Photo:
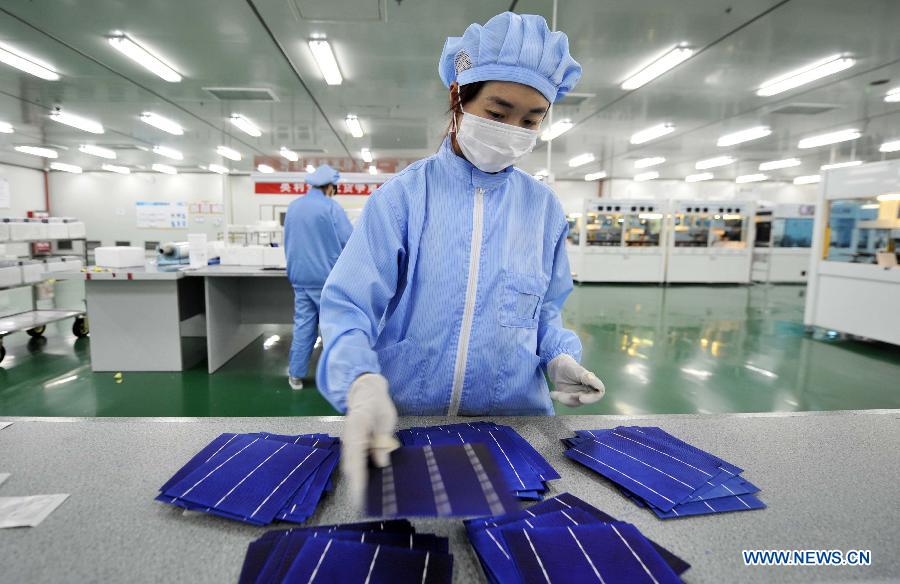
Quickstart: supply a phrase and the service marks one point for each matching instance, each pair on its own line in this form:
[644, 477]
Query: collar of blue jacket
[468, 171]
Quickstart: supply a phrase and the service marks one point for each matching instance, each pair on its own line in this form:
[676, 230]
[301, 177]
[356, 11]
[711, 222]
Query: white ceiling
[388, 52]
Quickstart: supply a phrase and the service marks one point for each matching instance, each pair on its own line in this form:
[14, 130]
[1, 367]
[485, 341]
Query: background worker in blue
[447, 299]
[316, 229]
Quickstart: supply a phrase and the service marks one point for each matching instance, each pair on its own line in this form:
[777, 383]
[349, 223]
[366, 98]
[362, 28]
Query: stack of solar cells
[256, 478]
[564, 539]
[525, 470]
[657, 470]
[388, 551]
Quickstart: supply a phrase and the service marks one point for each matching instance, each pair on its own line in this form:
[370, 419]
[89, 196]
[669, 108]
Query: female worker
[447, 298]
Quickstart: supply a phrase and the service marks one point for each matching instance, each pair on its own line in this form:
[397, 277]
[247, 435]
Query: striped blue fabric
[396, 300]
[522, 466]
[600, 552]
[659, 471]
[255, 478]
[446, 481]
[487, 533]
[388, 551]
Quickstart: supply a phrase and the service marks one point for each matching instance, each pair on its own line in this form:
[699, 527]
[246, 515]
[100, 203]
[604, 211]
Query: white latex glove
[574, 385]
[368, 429]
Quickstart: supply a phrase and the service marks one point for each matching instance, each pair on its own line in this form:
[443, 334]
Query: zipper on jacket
[462, 346]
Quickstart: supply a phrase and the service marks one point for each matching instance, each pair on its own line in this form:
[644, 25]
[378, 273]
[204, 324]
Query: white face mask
[491, 145]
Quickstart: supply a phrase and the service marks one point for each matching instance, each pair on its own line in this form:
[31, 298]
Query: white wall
[106, 203]
[26, 189]
[248, 207]
[571, 193]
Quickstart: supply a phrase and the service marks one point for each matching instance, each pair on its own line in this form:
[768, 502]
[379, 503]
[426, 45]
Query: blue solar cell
[604, 552]
[331, 560]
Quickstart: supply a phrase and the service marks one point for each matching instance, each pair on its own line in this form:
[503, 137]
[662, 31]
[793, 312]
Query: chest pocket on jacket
[520, 304]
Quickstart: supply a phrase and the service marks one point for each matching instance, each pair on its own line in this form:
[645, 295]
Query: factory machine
[709, 242]
[781, 253]
[618, 241]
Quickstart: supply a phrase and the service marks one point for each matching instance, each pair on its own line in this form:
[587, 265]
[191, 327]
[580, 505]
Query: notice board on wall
[161, 214]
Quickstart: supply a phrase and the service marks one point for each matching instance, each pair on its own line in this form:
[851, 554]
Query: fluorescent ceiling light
[116, 169]
[354, 126]
[164, 168]
[24, 62]
[892, 146]
[77, 122]
[744, 136]
[892, 95]
[228, 153]
[36, 151]
[749, 178]
[840, 165]
[265, 168]
[652, 133]
[245, 125]
[889, 197]
[324, 57]
[714, 162]
[366, 155]
[168, 152]
[829, 138]
[595, 175]
[557, 129]
[310, 168]
[581, 160]
[164, 124]
[648, 162]
[6, 128]
[870, 206]
[218, 169]
[699, 177]
[373, 169]
[659, 65]
[808, 179]
[133, 50]
[65, 167]
[644, 176]
[289, 154]
[777, 164]
[817, 70]
[98, 151]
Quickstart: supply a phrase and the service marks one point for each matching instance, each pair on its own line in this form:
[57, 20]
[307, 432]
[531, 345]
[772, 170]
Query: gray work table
[238, 307]
[143, 318]
[829, 480]
[150, 319]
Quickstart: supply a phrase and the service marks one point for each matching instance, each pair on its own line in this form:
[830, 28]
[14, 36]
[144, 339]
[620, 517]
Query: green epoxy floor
[689, 349]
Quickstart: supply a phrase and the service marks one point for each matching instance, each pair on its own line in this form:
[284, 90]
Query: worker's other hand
[574, 385]
[368, 430]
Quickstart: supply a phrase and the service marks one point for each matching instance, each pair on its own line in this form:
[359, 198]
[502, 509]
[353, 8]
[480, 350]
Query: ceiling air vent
[241, 93]
[575, 99]
[805, 109]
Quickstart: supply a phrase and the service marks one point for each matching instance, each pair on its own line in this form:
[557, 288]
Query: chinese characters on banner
[299, 188]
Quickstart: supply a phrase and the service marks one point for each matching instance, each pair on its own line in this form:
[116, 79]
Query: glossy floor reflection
[659, 350]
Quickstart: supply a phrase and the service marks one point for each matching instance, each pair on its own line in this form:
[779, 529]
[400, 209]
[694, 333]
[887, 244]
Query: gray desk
[240, 301]
[142, 319]
[829, 479]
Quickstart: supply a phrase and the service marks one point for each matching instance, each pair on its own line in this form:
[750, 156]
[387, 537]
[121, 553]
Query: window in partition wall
[604, 229]
[691, 230]
[642, 230]
[859, 228]
[792, 232]
[727, 230]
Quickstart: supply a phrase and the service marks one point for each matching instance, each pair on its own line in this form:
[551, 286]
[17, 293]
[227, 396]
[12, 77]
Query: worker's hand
[574, 385]
[368, 429]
